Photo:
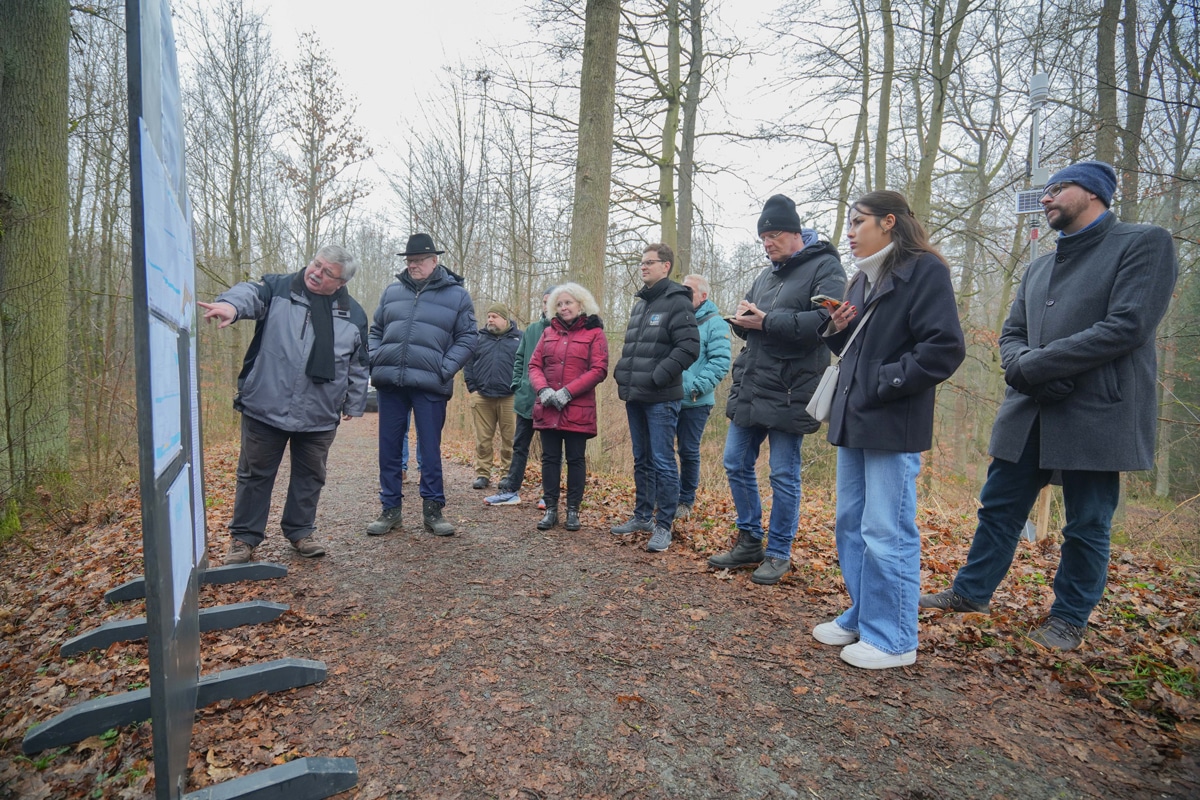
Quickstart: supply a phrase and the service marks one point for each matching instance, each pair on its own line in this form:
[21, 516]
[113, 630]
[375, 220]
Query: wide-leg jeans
[879, 548]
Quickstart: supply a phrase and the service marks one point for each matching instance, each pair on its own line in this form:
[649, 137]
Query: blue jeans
[1090, 499]
[878, 545]
[655, 473]
[429, 415]
[741, 453]
[689, 432]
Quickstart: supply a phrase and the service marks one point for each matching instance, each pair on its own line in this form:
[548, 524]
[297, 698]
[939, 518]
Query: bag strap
[861, 324]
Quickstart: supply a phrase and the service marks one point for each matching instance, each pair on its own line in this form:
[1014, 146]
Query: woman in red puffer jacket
[570, 360]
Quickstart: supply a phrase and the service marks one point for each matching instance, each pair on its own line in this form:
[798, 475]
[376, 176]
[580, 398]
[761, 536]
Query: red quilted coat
[576, 357]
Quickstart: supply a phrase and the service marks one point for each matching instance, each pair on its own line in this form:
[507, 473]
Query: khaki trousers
[492, 414]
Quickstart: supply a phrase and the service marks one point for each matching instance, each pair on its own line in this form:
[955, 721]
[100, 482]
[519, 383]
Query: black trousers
[258, 464]
[553, 444]
[522, 438]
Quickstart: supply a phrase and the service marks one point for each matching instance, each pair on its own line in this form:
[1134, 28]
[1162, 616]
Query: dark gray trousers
[258, 464]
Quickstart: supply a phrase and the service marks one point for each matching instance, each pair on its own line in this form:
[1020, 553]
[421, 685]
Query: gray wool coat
[1088, 312]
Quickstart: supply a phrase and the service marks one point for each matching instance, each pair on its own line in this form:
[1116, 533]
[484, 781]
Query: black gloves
[1051, 392]
[1016, 379]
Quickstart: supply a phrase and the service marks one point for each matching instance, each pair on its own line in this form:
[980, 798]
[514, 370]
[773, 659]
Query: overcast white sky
[389, 56]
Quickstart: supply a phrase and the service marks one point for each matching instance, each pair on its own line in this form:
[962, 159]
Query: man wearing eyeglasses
[1078, 352]
[423, 333]
[773, 379]
[305, 371]
[661, 341]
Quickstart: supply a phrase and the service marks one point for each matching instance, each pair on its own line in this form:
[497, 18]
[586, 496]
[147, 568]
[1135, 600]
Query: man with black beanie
[312, 337]
[773, 378]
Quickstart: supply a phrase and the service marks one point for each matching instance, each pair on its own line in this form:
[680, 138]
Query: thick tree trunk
[593, 169]
[34, 36]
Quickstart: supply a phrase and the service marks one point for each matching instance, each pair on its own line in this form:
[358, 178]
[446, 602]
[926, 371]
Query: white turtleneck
[872, 264]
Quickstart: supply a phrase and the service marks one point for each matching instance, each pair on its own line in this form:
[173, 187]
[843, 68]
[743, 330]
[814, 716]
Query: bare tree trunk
[34, 36]
[593, 169]
[687, 145]
[1106, 81]
[885, 93]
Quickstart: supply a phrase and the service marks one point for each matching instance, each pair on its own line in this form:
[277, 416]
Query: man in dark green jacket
[509, 488]
[662, 340]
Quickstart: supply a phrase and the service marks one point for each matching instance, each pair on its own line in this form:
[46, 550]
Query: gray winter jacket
[273, 387]
[1088, 312]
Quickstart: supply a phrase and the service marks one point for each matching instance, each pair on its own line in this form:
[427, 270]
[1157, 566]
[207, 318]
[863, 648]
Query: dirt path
[505, 662]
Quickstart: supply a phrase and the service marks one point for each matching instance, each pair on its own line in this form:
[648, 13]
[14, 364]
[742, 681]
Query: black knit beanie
[779, 214]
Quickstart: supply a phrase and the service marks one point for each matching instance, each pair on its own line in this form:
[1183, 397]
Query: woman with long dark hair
[882, 420]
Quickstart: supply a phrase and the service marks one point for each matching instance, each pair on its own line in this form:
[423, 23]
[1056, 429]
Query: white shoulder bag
[822, 400]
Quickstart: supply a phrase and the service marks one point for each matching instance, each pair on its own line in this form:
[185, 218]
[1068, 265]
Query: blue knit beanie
[1095, 176]
[779, 214]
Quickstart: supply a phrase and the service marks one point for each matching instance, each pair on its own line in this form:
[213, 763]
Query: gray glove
[545, 396]
[562, 397]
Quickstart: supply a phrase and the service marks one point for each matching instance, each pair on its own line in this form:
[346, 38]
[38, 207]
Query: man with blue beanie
[1078, 352]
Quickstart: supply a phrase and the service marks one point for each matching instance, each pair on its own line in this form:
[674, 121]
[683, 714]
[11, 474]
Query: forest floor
[510, 663]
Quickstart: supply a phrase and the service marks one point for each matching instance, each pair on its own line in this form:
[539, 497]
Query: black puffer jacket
[490, 370]
[662, 340]
[775, 374]
[422, 334]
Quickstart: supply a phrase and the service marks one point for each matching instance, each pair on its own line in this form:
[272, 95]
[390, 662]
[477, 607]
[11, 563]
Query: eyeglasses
[1055, 189]
[653, 261]
[416, 259]
[325, 273]
[771, 236]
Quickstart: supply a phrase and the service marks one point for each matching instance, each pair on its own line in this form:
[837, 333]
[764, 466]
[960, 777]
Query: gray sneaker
[950, 600]
[771, 570]
[660, 540]
[1057, 634]
[683, 511]
[632, 525]
[389, 519]
[238, 553]
[308, 547]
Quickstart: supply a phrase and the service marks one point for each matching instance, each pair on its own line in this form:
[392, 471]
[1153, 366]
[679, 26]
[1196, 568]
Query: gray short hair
[701, 283]
[336, 254]
[586, 300]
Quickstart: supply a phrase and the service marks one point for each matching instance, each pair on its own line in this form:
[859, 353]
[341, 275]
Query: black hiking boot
[435, 523]
[748, 552]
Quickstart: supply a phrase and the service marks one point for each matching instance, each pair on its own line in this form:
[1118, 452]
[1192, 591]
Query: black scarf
[320, 311]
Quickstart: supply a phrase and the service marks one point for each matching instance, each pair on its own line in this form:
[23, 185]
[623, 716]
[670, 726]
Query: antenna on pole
[1029, 201]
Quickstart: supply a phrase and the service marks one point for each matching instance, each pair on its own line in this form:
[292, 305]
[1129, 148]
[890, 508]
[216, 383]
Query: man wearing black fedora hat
[423, 333]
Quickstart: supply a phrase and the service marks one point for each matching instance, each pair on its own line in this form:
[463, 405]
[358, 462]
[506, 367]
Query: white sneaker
[832, 633]
[863, 655]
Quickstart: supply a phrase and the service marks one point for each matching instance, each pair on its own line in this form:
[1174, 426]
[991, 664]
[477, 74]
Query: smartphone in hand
[826, 301]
